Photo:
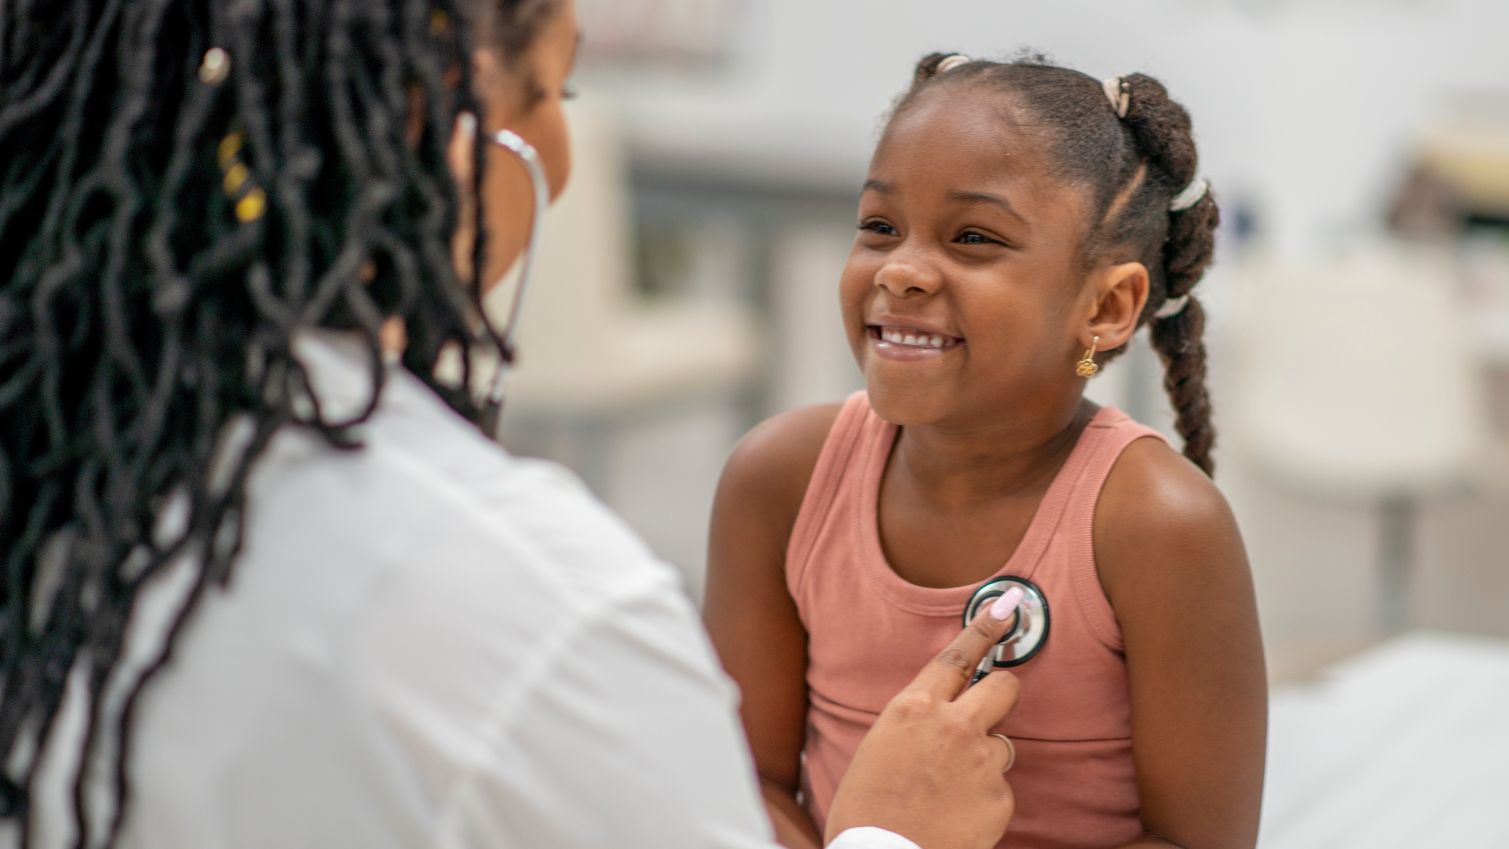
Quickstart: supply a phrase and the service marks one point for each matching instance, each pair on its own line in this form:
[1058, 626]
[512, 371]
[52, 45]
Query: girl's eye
[568, 93]
[973, 238]
[875, 225]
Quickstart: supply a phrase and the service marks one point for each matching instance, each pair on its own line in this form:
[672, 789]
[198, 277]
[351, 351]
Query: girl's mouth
[902, 338]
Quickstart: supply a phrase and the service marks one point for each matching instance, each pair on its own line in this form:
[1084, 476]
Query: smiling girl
[1019, 224]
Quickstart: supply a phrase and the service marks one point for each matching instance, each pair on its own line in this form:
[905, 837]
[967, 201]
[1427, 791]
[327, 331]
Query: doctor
[264, 588]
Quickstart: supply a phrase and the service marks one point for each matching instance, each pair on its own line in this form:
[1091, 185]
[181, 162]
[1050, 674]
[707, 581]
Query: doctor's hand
[929, 769]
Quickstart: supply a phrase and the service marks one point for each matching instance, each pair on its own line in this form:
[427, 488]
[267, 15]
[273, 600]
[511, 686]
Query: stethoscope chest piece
[1030, 631]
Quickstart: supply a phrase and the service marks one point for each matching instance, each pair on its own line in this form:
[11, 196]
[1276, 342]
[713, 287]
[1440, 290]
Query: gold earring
[1087, 367]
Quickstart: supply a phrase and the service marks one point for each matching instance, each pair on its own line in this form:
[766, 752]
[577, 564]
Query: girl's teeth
[897, 337]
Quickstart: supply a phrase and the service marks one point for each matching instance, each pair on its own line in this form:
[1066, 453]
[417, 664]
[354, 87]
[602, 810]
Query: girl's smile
[910, 339]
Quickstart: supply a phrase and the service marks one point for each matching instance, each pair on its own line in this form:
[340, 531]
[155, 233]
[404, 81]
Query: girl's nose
[904, 278]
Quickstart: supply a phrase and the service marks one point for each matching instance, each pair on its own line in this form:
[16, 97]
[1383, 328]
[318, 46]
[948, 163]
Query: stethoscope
[492, 405]
[1028, 633]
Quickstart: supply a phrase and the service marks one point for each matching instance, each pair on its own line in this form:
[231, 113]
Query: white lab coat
[428, 644]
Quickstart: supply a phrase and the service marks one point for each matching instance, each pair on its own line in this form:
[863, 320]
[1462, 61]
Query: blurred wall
[1302, 108]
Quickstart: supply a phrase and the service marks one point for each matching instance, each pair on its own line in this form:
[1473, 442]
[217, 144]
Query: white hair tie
[1119, 94]
[1172, 307]
[951, 62]
[1192, 194]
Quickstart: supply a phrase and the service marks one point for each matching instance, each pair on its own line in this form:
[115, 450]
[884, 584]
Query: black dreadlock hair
[170, 215]
[1133, 166]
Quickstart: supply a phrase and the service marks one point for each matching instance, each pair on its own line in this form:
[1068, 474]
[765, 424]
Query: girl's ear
[1118, 294]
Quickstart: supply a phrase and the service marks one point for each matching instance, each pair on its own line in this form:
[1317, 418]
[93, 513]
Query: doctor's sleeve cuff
[870, 837]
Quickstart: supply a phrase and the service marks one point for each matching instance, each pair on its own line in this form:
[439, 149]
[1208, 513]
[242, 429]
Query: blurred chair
[1360, 382]
[596, 354]
[1469, 155]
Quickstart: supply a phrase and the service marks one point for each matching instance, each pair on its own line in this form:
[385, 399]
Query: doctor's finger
[950, 671]
[989, 701]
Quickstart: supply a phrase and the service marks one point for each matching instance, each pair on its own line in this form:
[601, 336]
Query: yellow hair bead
[229, 147]
[235, 178]
[251, 207]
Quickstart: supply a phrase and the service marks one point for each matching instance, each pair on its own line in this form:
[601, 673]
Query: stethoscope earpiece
[1030, 631]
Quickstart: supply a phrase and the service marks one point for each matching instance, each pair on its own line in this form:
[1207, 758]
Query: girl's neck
[963, 466]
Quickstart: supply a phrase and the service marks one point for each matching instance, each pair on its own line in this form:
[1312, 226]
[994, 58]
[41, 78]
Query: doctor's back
[424, 643]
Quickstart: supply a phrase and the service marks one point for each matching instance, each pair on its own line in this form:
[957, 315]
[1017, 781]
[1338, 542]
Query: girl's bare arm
[748, 611]
[1172, 563]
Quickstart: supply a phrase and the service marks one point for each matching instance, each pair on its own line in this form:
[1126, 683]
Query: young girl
[1020, 223]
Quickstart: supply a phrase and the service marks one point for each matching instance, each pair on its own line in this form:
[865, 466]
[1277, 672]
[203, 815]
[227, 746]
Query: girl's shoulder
[1153, 489]
[1158, 517]
[770, 468]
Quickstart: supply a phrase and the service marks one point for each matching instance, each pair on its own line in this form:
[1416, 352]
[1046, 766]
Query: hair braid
[1165, 140]
[1178, 341]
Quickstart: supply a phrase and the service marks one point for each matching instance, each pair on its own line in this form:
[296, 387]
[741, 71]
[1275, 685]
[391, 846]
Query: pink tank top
[870, 631]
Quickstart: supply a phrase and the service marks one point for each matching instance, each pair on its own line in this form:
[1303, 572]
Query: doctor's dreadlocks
[183, 184]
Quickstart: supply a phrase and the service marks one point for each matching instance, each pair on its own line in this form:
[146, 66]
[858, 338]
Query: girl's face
[526, 97]
[960, 293]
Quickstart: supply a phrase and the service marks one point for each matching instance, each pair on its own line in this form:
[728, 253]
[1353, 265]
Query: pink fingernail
[1007, 603]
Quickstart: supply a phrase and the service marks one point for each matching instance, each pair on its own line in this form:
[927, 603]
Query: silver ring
[1010, 747]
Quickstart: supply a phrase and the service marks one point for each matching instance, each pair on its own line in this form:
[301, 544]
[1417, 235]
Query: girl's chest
[933, 547]
[1071, 690]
